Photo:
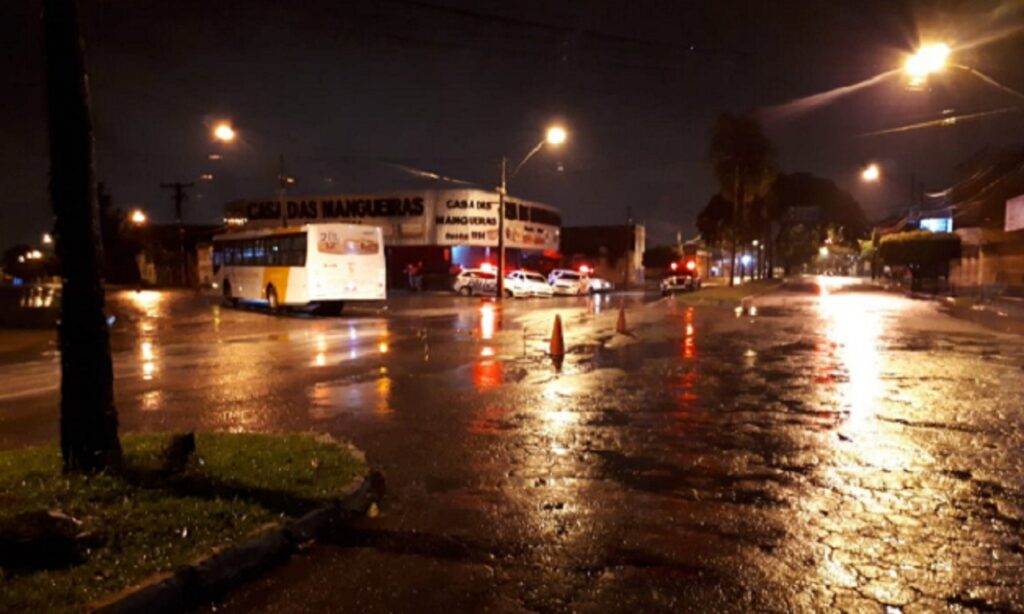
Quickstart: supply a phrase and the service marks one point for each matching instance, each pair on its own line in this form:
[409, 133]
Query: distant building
[615, 252]
[987, 207]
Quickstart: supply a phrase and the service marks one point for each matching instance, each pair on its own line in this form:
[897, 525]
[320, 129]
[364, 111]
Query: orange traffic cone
[620, 327]
[557, 347]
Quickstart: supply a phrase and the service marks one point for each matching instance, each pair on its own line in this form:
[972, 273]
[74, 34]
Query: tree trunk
[735, 223]
[88, 418]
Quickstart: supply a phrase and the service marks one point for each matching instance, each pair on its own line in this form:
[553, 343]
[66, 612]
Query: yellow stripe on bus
[278, 276]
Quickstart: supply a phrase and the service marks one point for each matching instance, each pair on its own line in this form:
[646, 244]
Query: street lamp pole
[555, 136]
[502, 189]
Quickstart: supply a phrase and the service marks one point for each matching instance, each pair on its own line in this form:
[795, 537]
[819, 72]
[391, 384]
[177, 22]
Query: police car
[476, 281]
[567, 281]
[600, 285]
[682, 281]
[520, 284]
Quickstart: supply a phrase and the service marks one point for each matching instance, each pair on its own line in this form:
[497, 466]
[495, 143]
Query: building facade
[442, 230]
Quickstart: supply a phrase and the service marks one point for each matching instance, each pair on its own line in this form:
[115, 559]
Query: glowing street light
[224, 133]
[137, 217]
[47, 238]
[928, 60]
[871, 173]
[555, 135]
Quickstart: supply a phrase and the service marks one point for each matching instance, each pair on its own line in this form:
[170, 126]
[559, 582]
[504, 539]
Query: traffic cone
[557, 347]
[620, 327]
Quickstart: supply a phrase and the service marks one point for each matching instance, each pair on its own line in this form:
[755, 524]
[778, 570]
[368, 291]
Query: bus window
[296, 252]
[247, 253]
[259, 252]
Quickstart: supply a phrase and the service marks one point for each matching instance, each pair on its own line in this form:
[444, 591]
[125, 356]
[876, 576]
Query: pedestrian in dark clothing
[410, 272]
[418, 276]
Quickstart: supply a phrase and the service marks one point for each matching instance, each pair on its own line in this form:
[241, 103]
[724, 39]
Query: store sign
[335, 209]
[1015, 213]
[467, 222]
[425, 217]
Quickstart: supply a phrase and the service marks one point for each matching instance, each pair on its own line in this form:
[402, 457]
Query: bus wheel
[272, 300]
[227, 293]
[466, 291]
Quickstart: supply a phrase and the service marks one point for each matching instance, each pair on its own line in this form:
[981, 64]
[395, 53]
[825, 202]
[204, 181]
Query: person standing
[418, 276]
[410, 273]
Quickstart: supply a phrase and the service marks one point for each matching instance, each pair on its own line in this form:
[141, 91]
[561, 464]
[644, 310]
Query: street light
[555, 135]
[933, 58]
[224, 133]
[137, 217]
[47, 238]
[871, 173]
[928, 60]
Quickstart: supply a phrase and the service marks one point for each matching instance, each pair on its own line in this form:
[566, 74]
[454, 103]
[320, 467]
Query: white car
[600, 285]
[476, 281]
[521, 284]
[567, 281]
[680, 282]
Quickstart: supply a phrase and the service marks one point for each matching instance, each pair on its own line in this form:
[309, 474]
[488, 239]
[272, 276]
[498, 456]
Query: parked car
[684, 281]
[520, 284]
[600, 285]
[475, 281]
[567, 281]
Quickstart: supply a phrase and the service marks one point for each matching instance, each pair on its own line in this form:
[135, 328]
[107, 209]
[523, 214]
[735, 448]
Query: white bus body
[315, 263]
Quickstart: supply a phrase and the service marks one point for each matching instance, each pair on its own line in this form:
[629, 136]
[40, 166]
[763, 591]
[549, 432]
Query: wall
[991, 263]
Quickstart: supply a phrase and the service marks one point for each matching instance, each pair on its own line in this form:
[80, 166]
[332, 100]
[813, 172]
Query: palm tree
[743, 160]
[88, 418]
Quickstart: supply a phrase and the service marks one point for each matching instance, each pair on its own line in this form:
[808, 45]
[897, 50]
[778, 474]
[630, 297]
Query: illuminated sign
[937, 224]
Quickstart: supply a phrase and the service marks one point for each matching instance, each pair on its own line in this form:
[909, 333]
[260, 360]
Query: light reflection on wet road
[842, 450]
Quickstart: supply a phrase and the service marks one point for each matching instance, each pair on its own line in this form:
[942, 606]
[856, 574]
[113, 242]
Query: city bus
[318, 265]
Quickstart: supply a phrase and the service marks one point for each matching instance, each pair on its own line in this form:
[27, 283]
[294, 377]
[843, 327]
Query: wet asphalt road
[837, 450]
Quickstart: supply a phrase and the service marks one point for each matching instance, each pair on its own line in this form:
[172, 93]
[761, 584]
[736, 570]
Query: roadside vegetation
[138, 520]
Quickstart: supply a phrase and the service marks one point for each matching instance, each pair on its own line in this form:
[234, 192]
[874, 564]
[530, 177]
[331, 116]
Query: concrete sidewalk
[1004, 314]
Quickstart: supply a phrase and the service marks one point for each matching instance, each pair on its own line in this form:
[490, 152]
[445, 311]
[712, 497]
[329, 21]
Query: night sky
[346, 89]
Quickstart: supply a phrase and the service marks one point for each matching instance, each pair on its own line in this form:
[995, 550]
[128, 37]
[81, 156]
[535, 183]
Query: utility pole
[282, 189]
[179, 199]
[502, 188]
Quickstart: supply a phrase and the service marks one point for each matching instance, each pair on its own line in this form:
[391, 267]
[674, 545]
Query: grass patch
[734, 294]
[146, 523]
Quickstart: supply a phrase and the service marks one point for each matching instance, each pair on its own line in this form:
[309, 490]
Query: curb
[224, 568]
